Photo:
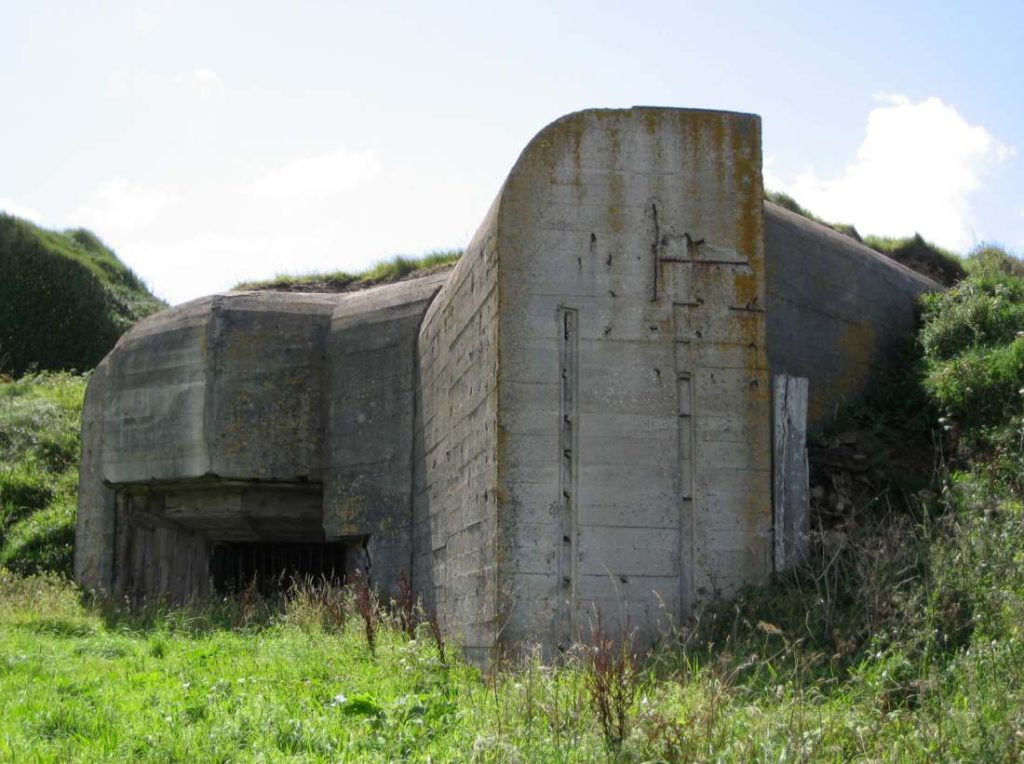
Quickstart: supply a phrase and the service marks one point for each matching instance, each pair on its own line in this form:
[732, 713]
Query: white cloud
[318, 177]
[118, 207]
[340, 211]
[916, 170]
[206, 81]
[118, 87]
[148, 85]
[6, 205]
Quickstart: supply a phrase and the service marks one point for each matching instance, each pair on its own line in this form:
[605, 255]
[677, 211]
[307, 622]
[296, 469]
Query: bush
[973, 342]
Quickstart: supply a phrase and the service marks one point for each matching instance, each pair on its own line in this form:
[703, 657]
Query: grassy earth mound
[40, 448]
[65, 298]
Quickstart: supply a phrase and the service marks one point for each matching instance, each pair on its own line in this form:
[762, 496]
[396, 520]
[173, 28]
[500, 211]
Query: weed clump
[613, 679]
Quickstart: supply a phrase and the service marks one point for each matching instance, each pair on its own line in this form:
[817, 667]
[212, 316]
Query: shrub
[973, 342]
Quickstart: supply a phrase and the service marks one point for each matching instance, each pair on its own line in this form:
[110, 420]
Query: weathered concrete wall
[230, 386]
[371, 382]
[266, 396]
[837, 310]
[154, 555]
[154, 399]
[634, 409]
[94, 531]
[456, 447]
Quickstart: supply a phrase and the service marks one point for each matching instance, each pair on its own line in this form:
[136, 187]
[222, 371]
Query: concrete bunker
[576, 417]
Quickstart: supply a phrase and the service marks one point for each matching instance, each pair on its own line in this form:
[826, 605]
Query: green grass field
[89, 683]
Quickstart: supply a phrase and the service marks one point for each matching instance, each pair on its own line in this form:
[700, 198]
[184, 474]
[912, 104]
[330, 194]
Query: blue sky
[213, 142]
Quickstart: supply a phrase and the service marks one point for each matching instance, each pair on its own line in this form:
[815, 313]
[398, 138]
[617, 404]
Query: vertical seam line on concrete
[780, 458]
[687, 446]
[568, 321]
[655, 250]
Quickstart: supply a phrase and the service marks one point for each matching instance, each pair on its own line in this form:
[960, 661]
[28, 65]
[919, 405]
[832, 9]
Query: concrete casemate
[575, 418]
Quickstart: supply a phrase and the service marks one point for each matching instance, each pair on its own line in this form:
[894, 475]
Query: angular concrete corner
[371, 382]
[94, 529]
[635, 401]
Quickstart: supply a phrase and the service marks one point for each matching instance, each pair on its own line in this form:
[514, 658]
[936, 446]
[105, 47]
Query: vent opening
[273, 566]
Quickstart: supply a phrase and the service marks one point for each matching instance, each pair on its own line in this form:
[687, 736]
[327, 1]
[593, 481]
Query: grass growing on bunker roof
[916, 253]
[385, 272]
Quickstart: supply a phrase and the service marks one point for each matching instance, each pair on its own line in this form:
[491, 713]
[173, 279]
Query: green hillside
[65, 298]
[40, 417]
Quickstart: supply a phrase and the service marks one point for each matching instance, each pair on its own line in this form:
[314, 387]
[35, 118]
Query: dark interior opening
[273, 566]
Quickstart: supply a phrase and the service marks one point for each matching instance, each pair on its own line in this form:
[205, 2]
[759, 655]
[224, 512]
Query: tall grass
[296, 677]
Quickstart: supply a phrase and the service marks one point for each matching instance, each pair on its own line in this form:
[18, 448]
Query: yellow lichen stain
[616, 205]
[577, 152]
[748, 285]
[350, 514]
[857, 344]
[616, 186]
[615, 218]
[746, 288]
[746, 157]
[543, 154]
[615, 145]
[651, 121]
[716, 129]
